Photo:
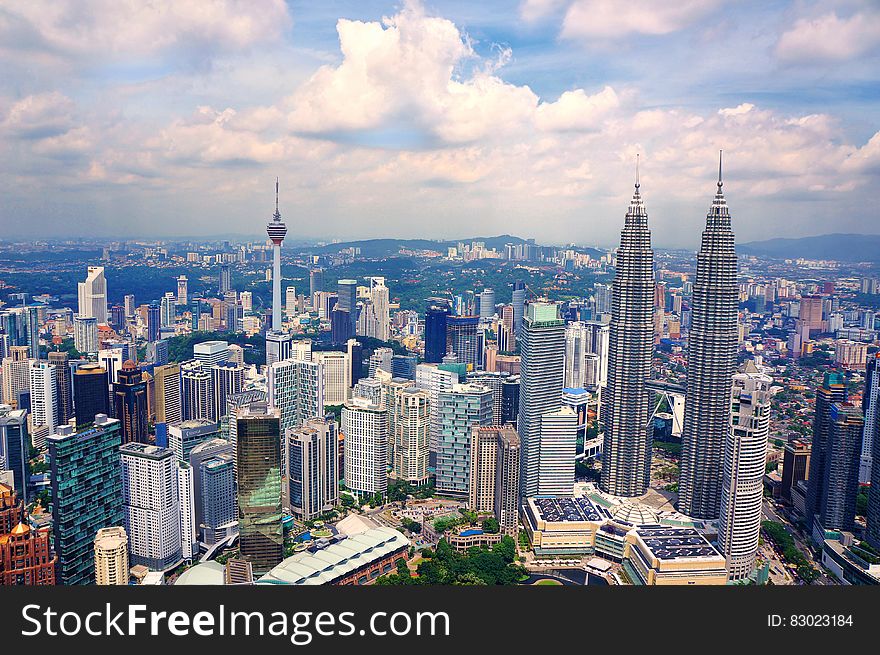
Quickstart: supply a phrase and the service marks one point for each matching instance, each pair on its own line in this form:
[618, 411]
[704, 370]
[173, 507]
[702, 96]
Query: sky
[443, 119]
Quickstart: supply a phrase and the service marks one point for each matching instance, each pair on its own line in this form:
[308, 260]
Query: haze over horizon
[437, 120]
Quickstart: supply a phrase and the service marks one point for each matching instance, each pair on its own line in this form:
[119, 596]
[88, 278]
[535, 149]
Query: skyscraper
[166, 392]
[91, 393]
[258, 455]
[518, 300]
[461, 339]
[154, 321]
[130, 403]
[871, 410]
[745, 458]
[487, 303]
[182, 291]
[85, 334]
[837, 509]
[712, 344]
[411, 430]
[312, 468]
[833, 390]
[460, 409]
[63, 385]
[93, 295]
[347, 290]
[626, 457]
[86, 494]
[540, 384]
[365, 426]
[494, 476]
[296, 389]
[316, 283]
[435, 330]
[15, 444]
[44, 398]
[151, 502]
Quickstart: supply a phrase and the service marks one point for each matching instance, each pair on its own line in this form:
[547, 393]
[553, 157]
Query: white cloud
[830, 38]
[611, 20]
[132, 28]
[39, 115]
[575, 110]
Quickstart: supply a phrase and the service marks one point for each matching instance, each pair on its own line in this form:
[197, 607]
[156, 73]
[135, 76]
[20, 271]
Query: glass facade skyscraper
[258, 456]
[86, 494]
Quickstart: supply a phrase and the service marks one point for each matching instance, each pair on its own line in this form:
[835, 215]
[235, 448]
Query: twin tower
[712, 345]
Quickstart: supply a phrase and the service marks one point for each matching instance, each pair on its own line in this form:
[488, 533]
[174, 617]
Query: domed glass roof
[635, 514]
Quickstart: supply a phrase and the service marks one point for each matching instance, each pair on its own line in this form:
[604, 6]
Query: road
[771, 514]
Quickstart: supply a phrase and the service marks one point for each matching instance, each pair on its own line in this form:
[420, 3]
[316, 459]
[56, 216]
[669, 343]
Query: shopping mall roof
[338, 560]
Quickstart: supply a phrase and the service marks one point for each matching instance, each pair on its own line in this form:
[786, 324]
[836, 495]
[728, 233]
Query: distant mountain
[839, 247]
[387, 247]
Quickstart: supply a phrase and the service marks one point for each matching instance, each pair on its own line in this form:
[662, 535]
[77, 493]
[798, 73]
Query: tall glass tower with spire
[712, 342]
[626, 457]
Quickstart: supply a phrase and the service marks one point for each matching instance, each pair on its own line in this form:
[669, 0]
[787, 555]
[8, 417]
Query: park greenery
[446, 566]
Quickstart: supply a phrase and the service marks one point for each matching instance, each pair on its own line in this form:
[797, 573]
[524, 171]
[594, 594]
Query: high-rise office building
[542, 345]
[558, 448]
[712, 344]
[182, 290]
[795, 465]
[129, 305]
[379, 324]
[355, 350]
[91, 393]
[213, 465]
[833, 390]
[211, 352]
[85, 334]
[166, 393]
[227, 379]
[154, 321]
[279, 346]
[576, 342]
[16, 374]
[434, 378]
[518, 301]
[15, 444]
[460, 409]
[337, 376]
[93, 295]
[487, 303]
[44, 398]
[365, 426]
[411, 429]
[494, 475]
[184, 436]
[196, 392]
[626, 457]
[225, 282]
[186, 511]
[837, 508]
[111, 556]
[130, 403]
[316, 283]
[461, 339]
[435, 330]
[871, 410]
[745, 458]
[258, 456]
[312, 468]
[63, 385]
[151, 502]
[347, 290]
[296, 389]
[87, 494]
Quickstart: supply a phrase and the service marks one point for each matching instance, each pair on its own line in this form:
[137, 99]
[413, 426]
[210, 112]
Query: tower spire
[277, 213]
[637, 172]
[720, 183]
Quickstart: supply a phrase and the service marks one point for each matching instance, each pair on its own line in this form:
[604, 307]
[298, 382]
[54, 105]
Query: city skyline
[428, 120]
